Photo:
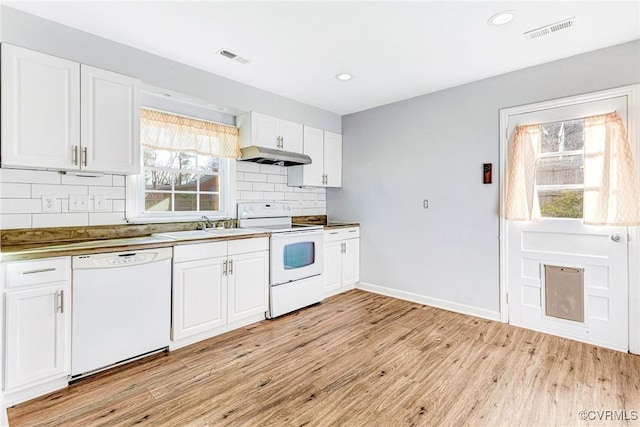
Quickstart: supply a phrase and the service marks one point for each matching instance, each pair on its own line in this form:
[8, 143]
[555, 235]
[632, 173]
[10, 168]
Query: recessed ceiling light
[344, 76]
[501, 18]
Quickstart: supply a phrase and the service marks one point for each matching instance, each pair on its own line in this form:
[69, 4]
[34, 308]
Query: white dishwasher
[121, 307]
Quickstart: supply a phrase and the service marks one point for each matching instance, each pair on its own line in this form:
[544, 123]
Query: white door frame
[632, 93]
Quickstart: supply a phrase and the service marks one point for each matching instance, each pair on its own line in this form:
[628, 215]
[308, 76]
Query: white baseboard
[432, 302]
[14, 397]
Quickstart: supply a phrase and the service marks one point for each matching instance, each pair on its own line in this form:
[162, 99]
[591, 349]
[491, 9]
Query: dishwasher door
[121, 306]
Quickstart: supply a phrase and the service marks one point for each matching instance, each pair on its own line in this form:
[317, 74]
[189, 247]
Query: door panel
[351, 262]
[291, 134]
[567, 242]
[332, 274]
[248, 285]
[264, 130]
[36, 336]
[314, 148]
[333, 159]
[40, 109]
[110, 121]
[605, 282]
[199, 297]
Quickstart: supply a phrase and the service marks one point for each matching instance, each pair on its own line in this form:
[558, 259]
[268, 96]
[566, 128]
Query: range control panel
[264, 210]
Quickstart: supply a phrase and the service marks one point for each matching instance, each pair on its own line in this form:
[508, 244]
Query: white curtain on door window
[165, 131]
[522, 201]
[611, 189]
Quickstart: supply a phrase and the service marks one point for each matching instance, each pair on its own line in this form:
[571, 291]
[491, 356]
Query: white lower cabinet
[199, 297]
[248, 285]
[37, 325]
[341, 259]
[218, 284]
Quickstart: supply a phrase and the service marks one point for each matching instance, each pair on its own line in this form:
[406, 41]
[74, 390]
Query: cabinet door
[37, 335]
[40, 110]
[199, 297]
[314, 148]
[351, 262]
[333, 159]
[292, 135]
[110, 132]
[248, 285]
[332, 275]
[264, 131]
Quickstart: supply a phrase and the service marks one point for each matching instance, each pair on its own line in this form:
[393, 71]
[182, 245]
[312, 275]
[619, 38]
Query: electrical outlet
[78, 202]
[100, 202]
[50, 204]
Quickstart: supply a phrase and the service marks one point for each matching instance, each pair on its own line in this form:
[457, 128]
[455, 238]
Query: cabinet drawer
[244, 246]
[30, 273]
[336, 234]
[351, 233]
[199, 251]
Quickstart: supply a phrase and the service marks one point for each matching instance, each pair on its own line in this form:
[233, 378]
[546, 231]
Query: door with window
[564, 277]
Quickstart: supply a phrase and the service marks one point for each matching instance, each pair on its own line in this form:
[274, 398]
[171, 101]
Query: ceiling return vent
[230, 55]
[551, 28]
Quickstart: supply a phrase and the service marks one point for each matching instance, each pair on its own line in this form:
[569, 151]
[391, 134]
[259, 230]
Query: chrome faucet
[211, 224]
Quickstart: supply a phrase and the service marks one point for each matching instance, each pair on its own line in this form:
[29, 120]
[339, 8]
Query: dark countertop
[33, 251]
[340, 224]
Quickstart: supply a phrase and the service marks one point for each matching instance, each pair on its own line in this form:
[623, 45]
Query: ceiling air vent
[551, 28]
[230, 55]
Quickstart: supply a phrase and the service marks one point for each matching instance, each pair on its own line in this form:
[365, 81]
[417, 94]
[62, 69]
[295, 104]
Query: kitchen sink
[232, 231]
[209, 233]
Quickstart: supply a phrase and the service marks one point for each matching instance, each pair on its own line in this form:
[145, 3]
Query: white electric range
[296, 256]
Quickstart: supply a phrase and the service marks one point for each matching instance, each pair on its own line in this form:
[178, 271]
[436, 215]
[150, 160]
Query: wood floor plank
[353, 360]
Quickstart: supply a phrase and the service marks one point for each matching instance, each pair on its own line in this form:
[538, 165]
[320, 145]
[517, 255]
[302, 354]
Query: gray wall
[432, 147]
[45, 36]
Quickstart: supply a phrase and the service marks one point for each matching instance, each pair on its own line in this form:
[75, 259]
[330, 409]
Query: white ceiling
[394, 50]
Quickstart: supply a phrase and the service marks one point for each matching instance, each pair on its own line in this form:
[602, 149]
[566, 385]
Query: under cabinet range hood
[270, 156]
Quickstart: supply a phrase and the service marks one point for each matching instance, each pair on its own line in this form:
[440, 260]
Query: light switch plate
[100, 202]
[78, 202]
[49, 204]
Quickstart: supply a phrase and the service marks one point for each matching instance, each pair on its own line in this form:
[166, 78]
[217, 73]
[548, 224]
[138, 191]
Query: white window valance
[165, 131]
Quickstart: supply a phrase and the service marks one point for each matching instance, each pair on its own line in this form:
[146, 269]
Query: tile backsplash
[21, 193]
[268, 183]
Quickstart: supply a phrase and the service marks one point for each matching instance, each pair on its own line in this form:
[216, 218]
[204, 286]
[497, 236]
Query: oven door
[296, 255]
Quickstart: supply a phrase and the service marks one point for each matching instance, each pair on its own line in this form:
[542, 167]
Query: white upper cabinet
[312, 174]
[60, 115]
[291, 136]
[263, 131]
[332, 159]
[40, 109]
[110, 126]
[266, 131]
[325, 170]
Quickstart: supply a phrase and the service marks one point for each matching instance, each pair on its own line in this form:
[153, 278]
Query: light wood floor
[357, 359]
